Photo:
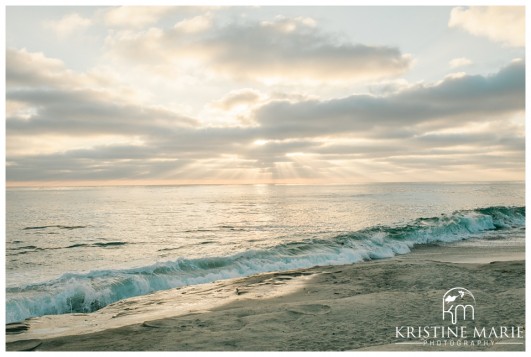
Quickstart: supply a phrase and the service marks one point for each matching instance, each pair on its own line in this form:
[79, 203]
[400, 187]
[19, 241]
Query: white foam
[90, 291]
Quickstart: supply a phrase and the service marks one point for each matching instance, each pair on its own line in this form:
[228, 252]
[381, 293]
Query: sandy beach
[292, 177]
[332, 308]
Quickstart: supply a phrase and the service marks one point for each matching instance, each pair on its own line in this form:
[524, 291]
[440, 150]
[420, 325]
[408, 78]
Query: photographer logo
[458, 304]
[458, 327]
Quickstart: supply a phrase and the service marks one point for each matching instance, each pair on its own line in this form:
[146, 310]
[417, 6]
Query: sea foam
[85, 292]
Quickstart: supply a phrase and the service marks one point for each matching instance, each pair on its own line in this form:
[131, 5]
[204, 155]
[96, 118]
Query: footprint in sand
[193, 324]
[310, 309]
[16, 327]
[24, 345]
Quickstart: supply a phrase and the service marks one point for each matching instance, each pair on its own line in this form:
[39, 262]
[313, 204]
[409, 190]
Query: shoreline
[332, 308]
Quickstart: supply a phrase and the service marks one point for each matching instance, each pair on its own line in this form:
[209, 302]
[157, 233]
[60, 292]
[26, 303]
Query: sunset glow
[264, 95]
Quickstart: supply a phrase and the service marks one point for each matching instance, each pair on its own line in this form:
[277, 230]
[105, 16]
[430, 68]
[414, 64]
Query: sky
[259, 95]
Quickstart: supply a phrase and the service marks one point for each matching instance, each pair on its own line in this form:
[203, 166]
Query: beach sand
[331, 308]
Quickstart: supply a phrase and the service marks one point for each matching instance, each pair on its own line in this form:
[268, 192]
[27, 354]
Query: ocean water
[79, 249]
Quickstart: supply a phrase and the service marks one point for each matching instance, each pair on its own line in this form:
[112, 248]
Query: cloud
[460, 62]
[284, 49]
[135, 16]
[25, 68]
[34, 70]
[68, 126]
[87, 112]
[463, 99]
[236, 108]
[286, 24]
[195, 24]
[204, 153]
[44, 98]
[68, 25]
[505, 24]
[240, 97]
[112, 162]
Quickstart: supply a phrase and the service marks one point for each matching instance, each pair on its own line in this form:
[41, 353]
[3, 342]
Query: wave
[85, 292]
[33, 249]
[99, 244]
[53, 226]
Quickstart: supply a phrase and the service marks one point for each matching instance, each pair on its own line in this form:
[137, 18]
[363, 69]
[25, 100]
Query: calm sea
[79, 249]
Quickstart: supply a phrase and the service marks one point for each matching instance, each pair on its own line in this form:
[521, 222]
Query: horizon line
[55, 184]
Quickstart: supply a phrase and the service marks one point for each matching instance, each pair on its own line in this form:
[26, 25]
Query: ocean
[80, 249]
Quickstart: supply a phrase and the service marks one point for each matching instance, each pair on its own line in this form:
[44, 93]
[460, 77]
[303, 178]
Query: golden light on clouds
[164, 95]
[504, 24]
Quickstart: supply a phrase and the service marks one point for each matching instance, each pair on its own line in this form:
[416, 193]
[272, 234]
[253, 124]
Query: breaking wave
[85, 292]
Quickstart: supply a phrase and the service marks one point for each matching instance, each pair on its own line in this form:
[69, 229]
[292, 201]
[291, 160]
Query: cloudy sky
[162, 95]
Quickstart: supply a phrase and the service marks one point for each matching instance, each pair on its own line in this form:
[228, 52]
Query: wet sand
[332, 308]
